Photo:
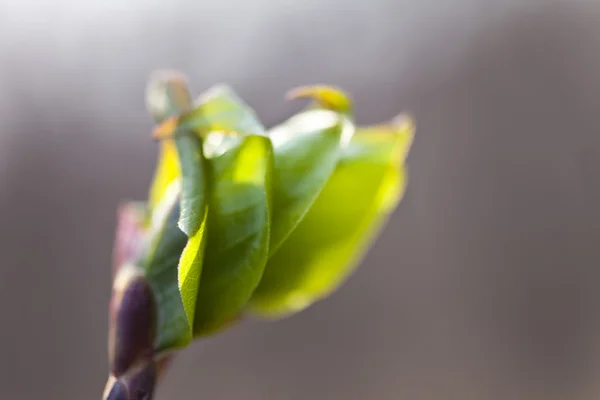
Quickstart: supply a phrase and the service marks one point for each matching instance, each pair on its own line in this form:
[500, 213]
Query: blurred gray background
[484, 284]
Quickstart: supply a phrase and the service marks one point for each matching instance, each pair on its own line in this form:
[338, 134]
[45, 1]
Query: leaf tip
[167, 94]
[329, 97]
[404, 127]
[404, 123]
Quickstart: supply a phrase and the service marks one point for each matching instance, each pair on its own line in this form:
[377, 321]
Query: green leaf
[192, 222]
[167, 96]
[190, 272]
[180, 161]
[173, 266]
[167, 170]
[328, 97]
[238, 231]
[307, 148]
[339, 228]
[174, 261]
[193, 184]
[166, 244]
[218, 109]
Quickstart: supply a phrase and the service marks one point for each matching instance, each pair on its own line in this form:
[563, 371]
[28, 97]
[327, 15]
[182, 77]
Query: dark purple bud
[115, 390]
[133, 321]
[141, 380]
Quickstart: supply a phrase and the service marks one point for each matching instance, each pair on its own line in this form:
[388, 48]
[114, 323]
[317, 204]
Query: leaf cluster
[244, 220]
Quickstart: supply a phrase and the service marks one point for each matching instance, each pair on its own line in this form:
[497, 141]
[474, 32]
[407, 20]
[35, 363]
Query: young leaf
[167, 243]
[175, 264]
[337, 231]
[181, 160]
[193, 184]
[218, 109]
[238, 231]
[167, 96]
[192, 220]
[190, 271]
[167, 170]
[307, 148]
[327, 97]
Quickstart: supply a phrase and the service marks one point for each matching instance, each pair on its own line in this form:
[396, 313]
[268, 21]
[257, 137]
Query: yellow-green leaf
[175, 258]
[167, 170]
[178, 193]
[190, 271]
[307, 149]
[193, 211]
[193, 183]
[166, 244]
[340, 226]
[238, 231]
[167, 96]
[327, 97]
[218, 109]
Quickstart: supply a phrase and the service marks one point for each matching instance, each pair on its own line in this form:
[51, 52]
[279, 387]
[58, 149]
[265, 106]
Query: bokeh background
[485, 282]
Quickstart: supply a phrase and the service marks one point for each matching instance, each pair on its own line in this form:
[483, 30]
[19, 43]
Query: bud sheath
[137, 384]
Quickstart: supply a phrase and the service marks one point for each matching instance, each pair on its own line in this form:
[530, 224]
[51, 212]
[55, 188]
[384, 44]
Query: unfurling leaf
[189, 272]
[241, 220]
[238, 231]
[167, 171]
[178, 249]
[167, 96]
[193, 184]
[307, 148]
[181, 168]
[218, 109]
[166, 244]
[334, 235]
[192, 221]
[327, 97]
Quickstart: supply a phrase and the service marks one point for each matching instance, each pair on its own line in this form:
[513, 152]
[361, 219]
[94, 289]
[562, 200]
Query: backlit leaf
[338, 230]
[167, 96]
[178, 193]
[218, 109]
[190, 271]
[166, 244]
[174, 264]
[238, 231]
[167, 170]
[192, 220]
[307, 148]
[193, 183]
[328, 97]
